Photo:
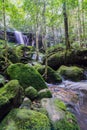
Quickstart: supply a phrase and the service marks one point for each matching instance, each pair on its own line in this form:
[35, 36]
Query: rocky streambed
[74, 94]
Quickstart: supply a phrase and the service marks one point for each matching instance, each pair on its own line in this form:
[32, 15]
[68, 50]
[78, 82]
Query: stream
[74, 94]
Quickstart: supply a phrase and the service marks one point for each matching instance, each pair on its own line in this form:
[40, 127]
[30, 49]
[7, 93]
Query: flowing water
[21, 39]
[74, 94]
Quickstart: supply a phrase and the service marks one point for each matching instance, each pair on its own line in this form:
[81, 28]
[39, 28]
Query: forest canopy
[52, 17]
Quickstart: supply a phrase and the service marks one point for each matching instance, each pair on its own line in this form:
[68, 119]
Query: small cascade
[26, 40]
[19, 37]
[74, 94]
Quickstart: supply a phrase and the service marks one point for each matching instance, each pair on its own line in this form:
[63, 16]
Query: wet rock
[60, 118]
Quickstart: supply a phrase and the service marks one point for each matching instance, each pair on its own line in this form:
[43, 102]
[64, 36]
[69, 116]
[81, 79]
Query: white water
[19, 37]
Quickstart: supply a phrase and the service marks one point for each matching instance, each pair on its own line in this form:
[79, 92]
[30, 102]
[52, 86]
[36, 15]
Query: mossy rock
[26, 103]
[31, 93]
[23, 119]
[52, 76]
[60, 118]
[72, 73]
[55, 60]
[24, 53]
[11, 54]
[26, 75]
[2, 80]
[10, 97]
[69, 57]
[68, 123]
[3, 64]
[44, 93]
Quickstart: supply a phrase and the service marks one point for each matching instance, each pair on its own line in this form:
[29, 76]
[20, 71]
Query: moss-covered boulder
[3, 64]
[24, 53]
[10, 97]
[31, 93]
[23, 119]
[2, 80]
[26, 75]
[44, 93]
[72, 73]
[60, 118]
[70, 57]
[11, 54]
[52, 76]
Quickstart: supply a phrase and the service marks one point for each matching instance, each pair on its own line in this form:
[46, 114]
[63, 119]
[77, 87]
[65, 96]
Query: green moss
[56, 60]
[68, 123]
[26, 75]
[70, 57]
[59, 104]
[52, 76]
[9, 91]
[45, 93]
[24, 53]
[23, 119]
[73, 73]
[2, 80]
[31, 93]
[10, 97]
[11, 54]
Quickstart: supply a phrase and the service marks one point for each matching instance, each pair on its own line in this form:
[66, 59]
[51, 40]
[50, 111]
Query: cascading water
[74, 94]
[19, 37]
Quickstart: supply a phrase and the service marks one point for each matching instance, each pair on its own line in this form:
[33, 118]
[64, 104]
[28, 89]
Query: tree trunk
[5, 33]
[67, 42]
[44, 38]
[83, 21]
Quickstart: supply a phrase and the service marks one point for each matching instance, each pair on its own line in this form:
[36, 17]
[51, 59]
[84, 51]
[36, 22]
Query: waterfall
[19, 37]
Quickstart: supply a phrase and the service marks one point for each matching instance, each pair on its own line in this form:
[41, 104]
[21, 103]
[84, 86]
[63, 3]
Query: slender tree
[67, 42]
[5, 31]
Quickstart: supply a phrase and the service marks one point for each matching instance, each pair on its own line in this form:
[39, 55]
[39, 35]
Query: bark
[5, 33]
[67, 42]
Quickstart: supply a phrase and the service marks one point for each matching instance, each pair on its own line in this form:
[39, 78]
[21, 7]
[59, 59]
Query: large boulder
[23, 119]
[10, 97]
[70, 57]
[73, 73]
[52, 76]
[60, 118]
[26, 75]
